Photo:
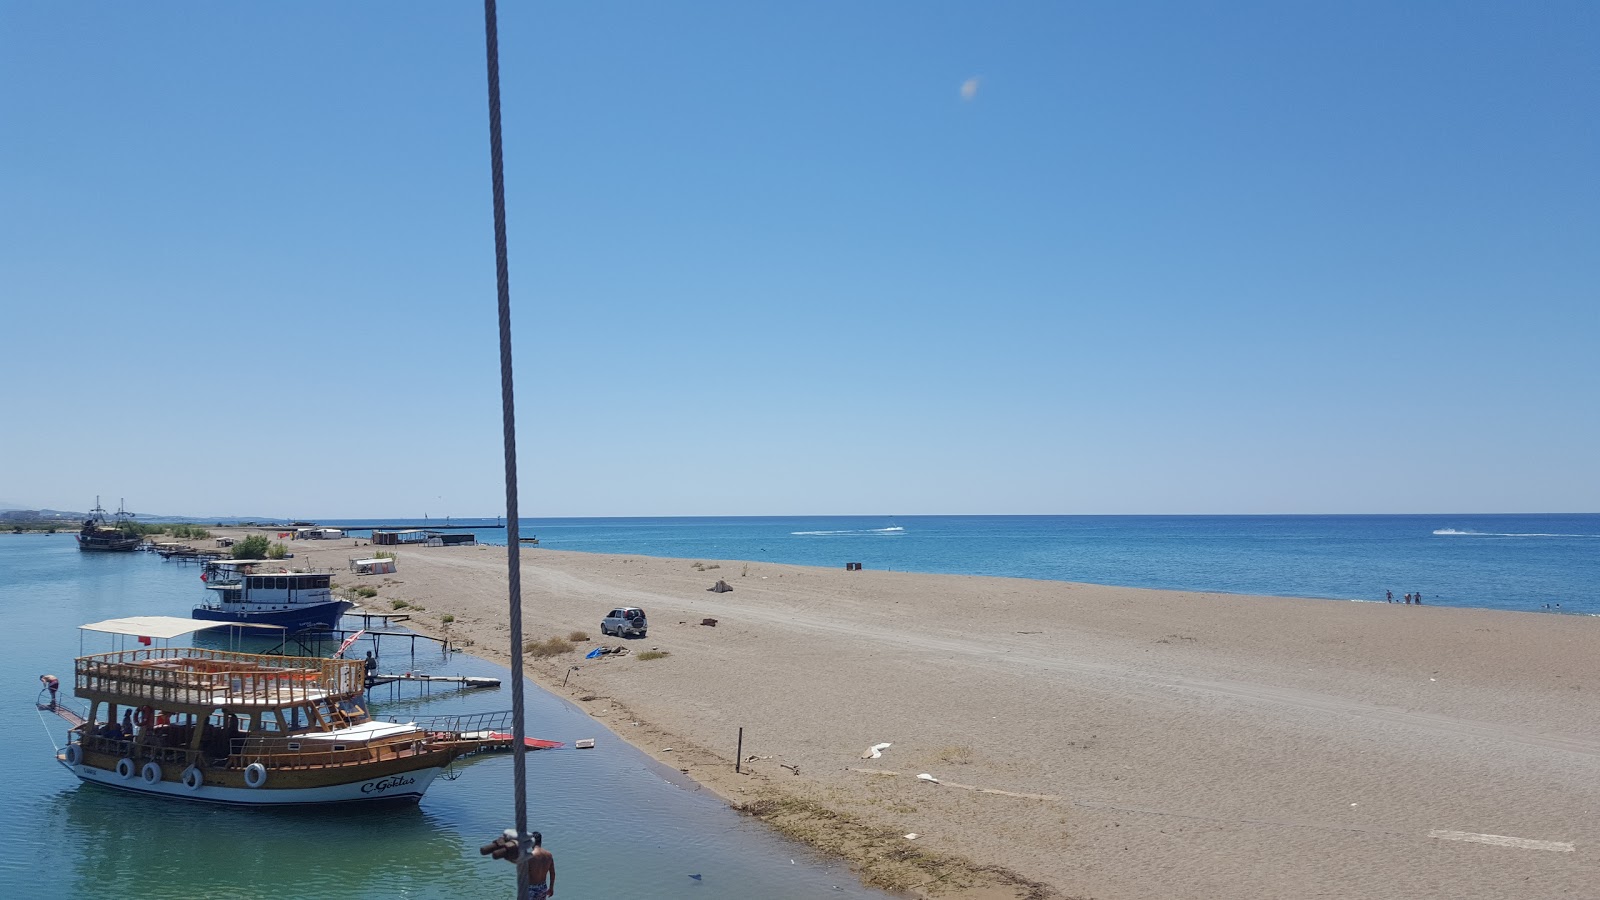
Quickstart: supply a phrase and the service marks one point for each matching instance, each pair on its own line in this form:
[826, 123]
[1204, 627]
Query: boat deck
[196, 678]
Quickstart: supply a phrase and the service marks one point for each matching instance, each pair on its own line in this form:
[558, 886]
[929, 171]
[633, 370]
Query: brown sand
[1090, 741]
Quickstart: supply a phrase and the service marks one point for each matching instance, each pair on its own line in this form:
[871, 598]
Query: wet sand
[1088, 741]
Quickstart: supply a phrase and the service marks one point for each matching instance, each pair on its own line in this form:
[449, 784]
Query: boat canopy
[364, 732]
[163, 627]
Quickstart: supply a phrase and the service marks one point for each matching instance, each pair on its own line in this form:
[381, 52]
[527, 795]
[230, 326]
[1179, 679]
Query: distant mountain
[18, 514]
[14, 513]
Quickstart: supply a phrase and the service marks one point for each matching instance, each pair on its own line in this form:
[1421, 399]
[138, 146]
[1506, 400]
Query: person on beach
[1389, 596]
[541, 870]
[1418, 595]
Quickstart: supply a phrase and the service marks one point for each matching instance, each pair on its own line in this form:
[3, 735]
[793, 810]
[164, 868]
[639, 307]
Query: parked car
[625, 621]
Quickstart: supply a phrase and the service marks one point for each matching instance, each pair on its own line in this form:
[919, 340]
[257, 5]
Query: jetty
[471, 681]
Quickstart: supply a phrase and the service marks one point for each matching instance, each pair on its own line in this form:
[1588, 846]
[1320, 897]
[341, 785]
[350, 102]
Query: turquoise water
[1514, 562]
[617, 823]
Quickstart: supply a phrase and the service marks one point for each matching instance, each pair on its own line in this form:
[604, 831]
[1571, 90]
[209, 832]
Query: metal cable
[519, 749]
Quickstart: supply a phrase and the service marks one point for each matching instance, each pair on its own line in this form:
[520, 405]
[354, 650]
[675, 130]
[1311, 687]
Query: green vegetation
[367, 590]
[384, 554]
[553, 647]
[446, 619]
[252, 547]
[651, 654]
[189, 532]
[277, 550]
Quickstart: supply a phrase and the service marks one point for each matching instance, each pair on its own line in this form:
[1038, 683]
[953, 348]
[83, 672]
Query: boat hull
[308, 617]
[394, 787]
[108, 544]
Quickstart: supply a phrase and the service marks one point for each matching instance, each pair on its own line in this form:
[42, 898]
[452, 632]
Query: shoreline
[1065, 722]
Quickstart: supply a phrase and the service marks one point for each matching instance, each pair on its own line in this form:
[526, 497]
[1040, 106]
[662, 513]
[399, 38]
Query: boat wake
[891, 530]
[1458, 533]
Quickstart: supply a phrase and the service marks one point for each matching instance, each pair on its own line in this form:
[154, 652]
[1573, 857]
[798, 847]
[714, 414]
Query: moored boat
[251, 729]
[97, 536]
[242, 593]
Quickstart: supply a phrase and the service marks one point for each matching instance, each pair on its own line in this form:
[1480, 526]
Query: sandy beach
[1087, 741]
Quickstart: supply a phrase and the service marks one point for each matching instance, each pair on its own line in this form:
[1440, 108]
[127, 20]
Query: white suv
[624, 621]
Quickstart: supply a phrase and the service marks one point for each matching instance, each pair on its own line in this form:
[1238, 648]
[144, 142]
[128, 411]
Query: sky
[888, 258]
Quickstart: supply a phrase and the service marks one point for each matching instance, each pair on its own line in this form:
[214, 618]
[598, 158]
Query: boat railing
[197, 677]
[466, 725]
[298, 753]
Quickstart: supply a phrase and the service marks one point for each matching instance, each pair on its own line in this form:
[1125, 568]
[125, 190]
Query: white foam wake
[1455, 532]
[891, 530]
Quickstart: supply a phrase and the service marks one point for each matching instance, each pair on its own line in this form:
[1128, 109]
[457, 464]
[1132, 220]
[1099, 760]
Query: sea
[1524, 562]
[620, 824]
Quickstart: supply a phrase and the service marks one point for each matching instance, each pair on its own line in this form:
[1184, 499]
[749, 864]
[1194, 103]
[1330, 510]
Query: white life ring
[255, 775]
[151, 773]
[126, 768]
[74, 754]
[193, 778]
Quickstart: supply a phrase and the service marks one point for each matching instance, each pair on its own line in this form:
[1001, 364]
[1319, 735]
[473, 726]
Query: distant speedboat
[98, 537]
[241, 593]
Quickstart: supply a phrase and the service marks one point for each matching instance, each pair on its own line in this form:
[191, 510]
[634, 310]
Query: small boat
[97, 536]
[242, 593]
[527, 540]
[253, 730]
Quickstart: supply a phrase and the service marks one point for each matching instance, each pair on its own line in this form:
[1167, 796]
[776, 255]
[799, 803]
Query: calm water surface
[1514, 562]
[618, 826]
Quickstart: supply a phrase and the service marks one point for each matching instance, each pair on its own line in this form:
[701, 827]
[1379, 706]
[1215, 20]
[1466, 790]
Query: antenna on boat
[519, 749]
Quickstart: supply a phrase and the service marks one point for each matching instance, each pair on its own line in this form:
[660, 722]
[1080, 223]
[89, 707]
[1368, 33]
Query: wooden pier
[471, 681]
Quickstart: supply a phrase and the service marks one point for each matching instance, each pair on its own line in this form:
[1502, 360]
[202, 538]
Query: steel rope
[519, 749]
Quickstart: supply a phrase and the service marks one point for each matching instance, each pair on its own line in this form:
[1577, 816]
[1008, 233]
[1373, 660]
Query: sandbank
[1088, 741]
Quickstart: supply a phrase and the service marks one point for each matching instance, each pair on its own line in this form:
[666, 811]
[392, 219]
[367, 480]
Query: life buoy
[126, 768]
[255, 775]
[193, 778]
[74, 754]
[143, 716]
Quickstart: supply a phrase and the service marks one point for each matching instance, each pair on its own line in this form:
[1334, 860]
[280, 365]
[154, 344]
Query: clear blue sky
[837, 257]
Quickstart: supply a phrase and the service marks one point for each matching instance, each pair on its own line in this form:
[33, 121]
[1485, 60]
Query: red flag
[144, 640]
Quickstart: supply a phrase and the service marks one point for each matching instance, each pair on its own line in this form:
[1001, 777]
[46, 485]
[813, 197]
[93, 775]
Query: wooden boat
[98, 537]
[251, 729]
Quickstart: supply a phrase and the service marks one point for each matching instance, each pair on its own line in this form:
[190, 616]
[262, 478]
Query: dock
[426, 527]
[471, 681]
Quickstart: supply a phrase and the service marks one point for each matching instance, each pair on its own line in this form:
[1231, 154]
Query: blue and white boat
[298, 601]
